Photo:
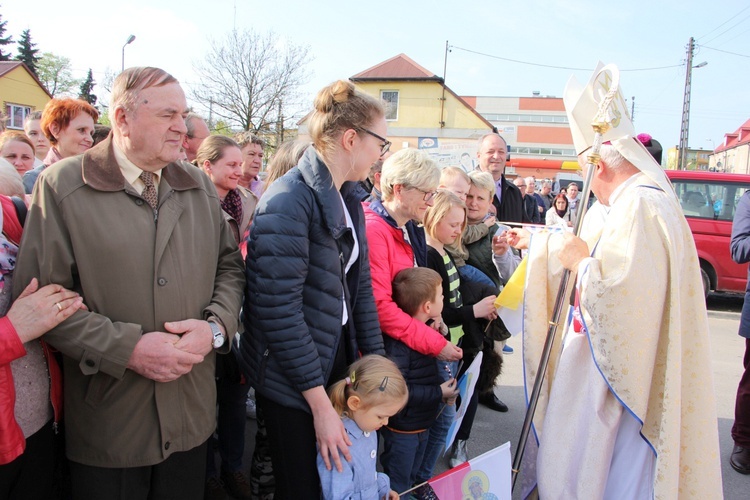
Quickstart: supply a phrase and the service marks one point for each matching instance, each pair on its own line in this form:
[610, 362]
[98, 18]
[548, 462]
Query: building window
[390, 99]
[16, 115]
[505, 117]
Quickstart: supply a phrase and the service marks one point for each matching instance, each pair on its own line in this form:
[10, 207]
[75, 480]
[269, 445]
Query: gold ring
[59, 307]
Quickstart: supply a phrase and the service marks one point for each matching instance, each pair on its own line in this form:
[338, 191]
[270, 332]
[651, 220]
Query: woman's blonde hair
[284, 159]
[11, 183]
[410, 168]
[374, 379]
[212, 149]
[482, 180]
[442, 203]
[339, 107]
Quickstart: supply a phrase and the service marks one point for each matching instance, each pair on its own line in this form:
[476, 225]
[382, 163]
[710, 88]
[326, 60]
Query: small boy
[418, 291]
[458, 182]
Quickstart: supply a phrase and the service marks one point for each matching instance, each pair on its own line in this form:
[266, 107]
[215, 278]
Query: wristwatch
[218, 336]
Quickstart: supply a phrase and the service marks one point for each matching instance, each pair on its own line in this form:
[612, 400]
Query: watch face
[218, 341]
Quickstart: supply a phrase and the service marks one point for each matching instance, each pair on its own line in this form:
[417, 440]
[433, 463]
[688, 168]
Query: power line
[740, 21]
[555, 67]
[725, 51]
[725, 22]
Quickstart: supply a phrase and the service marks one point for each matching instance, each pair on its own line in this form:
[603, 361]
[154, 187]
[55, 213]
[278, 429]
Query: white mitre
[582, 106]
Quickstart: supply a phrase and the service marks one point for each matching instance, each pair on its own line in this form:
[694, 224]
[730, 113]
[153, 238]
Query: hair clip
[383, 384]
[348, 381]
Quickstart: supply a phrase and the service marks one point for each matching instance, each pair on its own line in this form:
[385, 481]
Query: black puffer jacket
[423, 380]
[298, 245]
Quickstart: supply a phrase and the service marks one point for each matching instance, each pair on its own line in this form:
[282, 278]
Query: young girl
[373, 391]
[444, 222]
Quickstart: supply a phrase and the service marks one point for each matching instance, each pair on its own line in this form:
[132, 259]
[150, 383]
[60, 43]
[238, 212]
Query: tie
[149, 192]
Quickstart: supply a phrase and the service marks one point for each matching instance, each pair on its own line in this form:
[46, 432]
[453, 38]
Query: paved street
[492, 429]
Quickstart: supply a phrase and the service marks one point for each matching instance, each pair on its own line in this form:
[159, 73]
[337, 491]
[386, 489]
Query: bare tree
[251, 79]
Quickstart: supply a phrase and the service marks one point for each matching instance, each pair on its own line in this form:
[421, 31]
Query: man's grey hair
[129, 84]
[612, 157]
[481, 140]
[247, 137]
[190, 119]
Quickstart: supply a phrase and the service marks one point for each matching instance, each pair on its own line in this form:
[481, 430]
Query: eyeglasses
[428, 195]
[386, 143]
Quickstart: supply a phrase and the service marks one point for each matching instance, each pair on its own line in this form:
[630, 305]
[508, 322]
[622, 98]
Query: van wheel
[706, 282]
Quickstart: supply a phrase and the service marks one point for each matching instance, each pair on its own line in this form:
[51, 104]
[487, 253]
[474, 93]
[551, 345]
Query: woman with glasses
[408, 182]
[309, 309]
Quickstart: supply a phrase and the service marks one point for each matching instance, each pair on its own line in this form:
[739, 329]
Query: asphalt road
[492, 429]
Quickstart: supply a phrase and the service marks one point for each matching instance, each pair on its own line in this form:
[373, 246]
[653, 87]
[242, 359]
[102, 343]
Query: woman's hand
[450, 352]
[329, 429]
[500, 243]
[38, 310]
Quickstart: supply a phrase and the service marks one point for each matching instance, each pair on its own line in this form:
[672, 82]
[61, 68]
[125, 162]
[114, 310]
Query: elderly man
[197, 131]
[252, 160]
[645, 427]
[530, 207]
[492, 154]
[142, 238]
[545, 197]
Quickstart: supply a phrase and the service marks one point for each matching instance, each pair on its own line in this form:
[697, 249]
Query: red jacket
[389, 254]
[12, 442]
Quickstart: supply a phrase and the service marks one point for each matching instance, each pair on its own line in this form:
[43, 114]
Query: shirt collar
[130, 170]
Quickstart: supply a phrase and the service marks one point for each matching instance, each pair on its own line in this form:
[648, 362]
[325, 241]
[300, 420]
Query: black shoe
[214, 489]
[493, 403]
[740, 459]
[236, 484]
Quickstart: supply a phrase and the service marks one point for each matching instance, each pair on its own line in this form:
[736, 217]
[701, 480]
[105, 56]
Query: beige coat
[90, 231]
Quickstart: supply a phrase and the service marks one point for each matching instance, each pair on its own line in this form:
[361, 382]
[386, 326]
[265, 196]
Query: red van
[709, 200]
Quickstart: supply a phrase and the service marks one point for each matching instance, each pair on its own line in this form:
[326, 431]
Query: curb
[724, 315]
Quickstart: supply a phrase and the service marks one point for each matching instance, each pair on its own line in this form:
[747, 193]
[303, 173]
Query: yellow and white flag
[510, 300]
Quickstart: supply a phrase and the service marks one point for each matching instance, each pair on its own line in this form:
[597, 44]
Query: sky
[345, 38]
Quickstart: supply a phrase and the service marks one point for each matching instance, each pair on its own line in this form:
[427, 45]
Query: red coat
[389, 254]
[12, 442]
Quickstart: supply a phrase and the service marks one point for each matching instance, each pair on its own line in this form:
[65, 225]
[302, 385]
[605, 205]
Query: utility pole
[442, 99]
[682, 162]
[632, 109]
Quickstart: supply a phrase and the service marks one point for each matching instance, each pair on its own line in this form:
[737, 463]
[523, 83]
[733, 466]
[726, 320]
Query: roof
[8, 66]
[739, 137]
[400, 67]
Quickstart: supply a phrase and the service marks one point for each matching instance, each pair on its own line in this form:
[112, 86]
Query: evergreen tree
[27, 51]
[4, 40]
[86, 87]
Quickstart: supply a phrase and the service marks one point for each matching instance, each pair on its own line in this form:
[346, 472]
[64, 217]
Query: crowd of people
[155, 278]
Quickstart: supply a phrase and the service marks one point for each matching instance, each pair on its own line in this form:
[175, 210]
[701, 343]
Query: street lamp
[682, 162]
[128, 42]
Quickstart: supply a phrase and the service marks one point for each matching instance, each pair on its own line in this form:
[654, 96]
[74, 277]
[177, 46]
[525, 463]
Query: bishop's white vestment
[627, 409]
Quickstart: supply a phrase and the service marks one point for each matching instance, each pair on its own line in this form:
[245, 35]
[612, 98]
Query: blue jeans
[439, 429]
[471, 273]
[402, 454]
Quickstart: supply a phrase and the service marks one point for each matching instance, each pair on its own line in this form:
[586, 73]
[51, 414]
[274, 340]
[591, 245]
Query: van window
[709, 200]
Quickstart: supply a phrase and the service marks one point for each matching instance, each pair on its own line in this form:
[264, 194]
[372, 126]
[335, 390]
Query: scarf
[232, 204]
[561, 213]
